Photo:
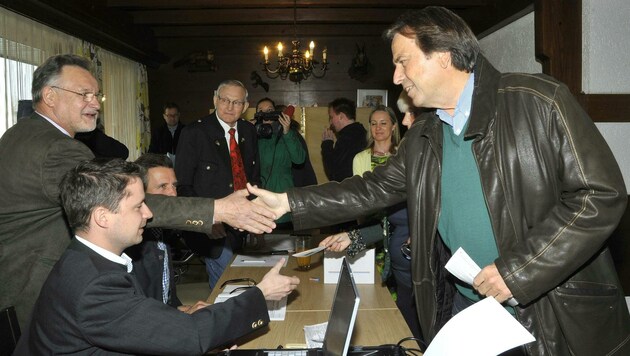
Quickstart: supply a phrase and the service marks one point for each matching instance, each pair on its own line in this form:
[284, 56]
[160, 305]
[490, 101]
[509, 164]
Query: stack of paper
[277, 308]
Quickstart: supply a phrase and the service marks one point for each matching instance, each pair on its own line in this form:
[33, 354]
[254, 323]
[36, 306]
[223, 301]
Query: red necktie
[238, 170]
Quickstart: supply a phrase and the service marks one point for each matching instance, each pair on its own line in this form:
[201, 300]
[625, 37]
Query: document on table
[277, 308]
[258, 261]
[314, 335]
[463, 267]
[484, 328]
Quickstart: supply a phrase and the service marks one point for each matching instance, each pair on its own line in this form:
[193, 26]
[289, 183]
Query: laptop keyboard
[287, 353]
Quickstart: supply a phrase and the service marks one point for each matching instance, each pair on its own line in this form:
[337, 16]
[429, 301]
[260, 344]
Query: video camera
[264, 130]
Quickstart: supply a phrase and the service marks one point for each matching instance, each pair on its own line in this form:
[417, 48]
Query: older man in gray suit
[36, 153]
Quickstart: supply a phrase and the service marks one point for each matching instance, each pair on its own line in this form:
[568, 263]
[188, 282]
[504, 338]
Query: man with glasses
[35, 154]
[164, 139]
[216, 156]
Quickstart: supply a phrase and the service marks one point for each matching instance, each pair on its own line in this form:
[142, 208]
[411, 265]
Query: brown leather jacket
[554, 193]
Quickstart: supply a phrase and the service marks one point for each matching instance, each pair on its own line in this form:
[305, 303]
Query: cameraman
[279, 147]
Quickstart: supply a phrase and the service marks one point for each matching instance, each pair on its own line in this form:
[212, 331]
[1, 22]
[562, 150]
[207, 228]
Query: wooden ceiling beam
[271, 16]
[273, 31]
[219, 4]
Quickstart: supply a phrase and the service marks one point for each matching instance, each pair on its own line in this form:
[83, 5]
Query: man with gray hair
[217, 155]
[508, 167]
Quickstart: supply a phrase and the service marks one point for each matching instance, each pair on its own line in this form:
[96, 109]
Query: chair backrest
[9, 330]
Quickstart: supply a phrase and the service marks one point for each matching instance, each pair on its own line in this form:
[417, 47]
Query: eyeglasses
[87, 97]
[228, 102]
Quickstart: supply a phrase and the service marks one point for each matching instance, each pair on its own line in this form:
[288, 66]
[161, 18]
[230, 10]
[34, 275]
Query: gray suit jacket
[34, 156]
[91, 305]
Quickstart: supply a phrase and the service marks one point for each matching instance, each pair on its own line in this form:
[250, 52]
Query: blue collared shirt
[462, 109]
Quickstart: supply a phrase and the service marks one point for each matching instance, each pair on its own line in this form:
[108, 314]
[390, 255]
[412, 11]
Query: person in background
[383, 141]
[337, 155]
[164, 139]
[92, 303]
[510, 168]
[216, 156]
[152, 258]
[279, 147]
[303, 174]
[101, 145]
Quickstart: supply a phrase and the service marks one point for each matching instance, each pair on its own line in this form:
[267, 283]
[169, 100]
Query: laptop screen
[343, 314]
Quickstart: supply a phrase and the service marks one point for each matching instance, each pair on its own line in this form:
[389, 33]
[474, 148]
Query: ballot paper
[483, 329]
[277, 308]
[258, 260]
[463, 267]
[310, 252]
[314, 335]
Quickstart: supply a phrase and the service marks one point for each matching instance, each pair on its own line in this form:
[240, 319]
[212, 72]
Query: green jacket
[277, 155]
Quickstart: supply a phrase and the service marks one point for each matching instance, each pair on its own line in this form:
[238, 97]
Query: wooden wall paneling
[559, 49]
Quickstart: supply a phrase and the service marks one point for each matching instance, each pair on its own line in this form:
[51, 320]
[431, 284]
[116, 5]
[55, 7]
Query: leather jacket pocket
[590, 315]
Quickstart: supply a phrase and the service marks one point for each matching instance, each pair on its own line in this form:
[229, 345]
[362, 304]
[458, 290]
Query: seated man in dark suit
[92, 303]
[152, 259]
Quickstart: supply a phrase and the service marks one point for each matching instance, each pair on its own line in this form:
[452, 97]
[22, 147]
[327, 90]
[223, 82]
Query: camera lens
[264, 130]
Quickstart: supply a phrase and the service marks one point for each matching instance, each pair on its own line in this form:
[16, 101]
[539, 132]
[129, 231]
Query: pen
[253, 261]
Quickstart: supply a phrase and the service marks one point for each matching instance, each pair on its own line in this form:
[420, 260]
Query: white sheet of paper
[483, 329]
[277, 308]
[464, 268]
[314, 335]
[309, 252]
[258, 261]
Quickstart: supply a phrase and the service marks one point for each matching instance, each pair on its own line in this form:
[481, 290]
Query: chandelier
[296, 65]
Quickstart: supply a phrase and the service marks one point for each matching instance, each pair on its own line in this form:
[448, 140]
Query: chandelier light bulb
[279, 49]
[266, 52]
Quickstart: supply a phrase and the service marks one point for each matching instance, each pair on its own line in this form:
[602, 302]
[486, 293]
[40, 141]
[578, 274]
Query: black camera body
[264, 130]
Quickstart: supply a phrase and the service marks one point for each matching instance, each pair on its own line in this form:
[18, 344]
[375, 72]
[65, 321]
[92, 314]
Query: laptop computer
[340, 323]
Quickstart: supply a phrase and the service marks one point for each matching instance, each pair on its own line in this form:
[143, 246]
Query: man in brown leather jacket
[510, 168]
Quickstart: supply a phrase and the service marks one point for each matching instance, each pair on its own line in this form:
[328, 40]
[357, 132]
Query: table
[378, 321]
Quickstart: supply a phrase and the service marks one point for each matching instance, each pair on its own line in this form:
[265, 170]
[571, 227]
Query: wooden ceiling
[135, 27]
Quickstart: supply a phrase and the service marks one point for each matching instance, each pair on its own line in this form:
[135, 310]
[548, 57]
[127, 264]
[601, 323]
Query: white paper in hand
[464, 268]
[310, 252]
[483, 329]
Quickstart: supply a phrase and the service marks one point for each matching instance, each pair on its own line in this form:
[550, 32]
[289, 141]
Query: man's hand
[189, 309]
[490, 283]
[275, 286]
[328, 134]
[276, 202]
[336, 243]
[237, 211]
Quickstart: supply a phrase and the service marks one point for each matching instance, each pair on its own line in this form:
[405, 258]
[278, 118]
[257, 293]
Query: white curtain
[25, 43]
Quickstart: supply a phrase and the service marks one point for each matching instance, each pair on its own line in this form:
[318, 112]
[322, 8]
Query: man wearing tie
[217, 155]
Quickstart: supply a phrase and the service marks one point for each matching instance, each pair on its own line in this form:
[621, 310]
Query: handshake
[256, 216]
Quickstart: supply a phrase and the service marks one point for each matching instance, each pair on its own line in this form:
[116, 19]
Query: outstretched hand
[275, 286]
[236, 210]
[278, 203]
[337, 242]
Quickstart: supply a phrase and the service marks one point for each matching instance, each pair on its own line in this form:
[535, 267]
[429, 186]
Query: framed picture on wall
[371, 97]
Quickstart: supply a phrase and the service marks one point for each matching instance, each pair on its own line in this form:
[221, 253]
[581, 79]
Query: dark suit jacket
[91, 305]
[148, 265]
[204, 168]
[163, 142]
[34, 156]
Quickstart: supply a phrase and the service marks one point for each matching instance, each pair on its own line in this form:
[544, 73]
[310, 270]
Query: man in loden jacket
[510, 168]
